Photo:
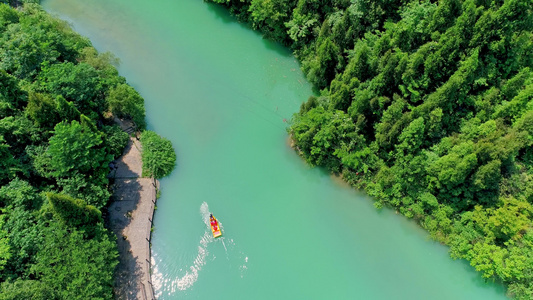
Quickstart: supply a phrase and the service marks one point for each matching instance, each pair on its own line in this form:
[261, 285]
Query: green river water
[222, 95]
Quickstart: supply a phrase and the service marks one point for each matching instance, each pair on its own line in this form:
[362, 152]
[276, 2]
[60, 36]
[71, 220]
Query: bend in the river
[222, 95]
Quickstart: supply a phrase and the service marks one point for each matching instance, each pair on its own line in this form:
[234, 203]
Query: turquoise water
[222, 95]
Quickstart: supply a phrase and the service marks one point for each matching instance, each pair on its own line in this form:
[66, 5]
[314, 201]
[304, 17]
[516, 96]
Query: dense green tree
[12, 97]
[42, 110]
[19, 198]
[78, 83]
[35, 39]
[18, 131]
[82, 269]
[321, 70]
[124, 101]
[8, 164]
[158, 156]
[76, 148]
[5, 253]
[115, 140]
[104, 64]
[270, 17]
[27, 289]
[75, 212]
[24, 241]
[19, 193]
[80, 187]
[8, 15]
[301, 28]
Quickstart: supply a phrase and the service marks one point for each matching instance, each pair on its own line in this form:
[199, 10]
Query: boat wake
[191, 274]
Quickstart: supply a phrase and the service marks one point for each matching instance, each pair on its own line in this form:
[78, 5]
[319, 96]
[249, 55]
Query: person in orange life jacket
[214, 222]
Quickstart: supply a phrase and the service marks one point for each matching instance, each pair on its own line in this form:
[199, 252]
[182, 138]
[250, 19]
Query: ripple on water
[191, 275]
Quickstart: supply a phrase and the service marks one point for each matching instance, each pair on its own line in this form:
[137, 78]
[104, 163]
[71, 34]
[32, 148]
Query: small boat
[215, 227]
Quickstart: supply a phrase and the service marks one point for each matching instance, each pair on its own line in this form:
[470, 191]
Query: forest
[58, 97]
[428, 107]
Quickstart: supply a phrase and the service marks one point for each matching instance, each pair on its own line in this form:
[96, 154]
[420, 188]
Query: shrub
[158, 156]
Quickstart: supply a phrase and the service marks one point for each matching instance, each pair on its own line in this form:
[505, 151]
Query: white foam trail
[204, 211]
[191, 276]
[225, 247]
[192, 273]
[244, 267]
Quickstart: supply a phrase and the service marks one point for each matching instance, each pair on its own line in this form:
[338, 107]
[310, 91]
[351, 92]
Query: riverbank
[130, 218]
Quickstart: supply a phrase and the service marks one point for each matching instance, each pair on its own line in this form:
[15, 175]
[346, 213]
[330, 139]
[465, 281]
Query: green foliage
[66, 110]
[20, 198]
[104, 64]
[11, 96]
[37, 38]
[42, 110]
[124, 101]
[91, 191]
[8, 164]
[5, 253]
[82, 269]
[158, 156]
[19, 193]
[8, 15]
[75, 212]
[77, 83]
[19, 131]
[322, 69]
[115, 140]
[301, 28]
[54, 139]
[76, 148]
[27, 289]
[270, 16]
[24, 240]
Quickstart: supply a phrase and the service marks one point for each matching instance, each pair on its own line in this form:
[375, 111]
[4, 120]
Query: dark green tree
[75, 212]
[124, 101]
[77, 83]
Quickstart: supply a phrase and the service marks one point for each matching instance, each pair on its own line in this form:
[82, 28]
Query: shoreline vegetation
[428, 107]
[58, 139]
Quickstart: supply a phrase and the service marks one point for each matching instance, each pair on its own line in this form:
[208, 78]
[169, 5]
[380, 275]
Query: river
[223, 96]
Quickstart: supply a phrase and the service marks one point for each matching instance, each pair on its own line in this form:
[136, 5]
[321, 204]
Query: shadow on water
[496, 286]
[277, 47]
[222, 13]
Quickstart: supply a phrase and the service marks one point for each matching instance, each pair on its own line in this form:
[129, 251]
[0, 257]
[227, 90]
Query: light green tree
[158, 156]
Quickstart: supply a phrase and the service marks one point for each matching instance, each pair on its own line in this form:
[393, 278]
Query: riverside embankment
[130, 216]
